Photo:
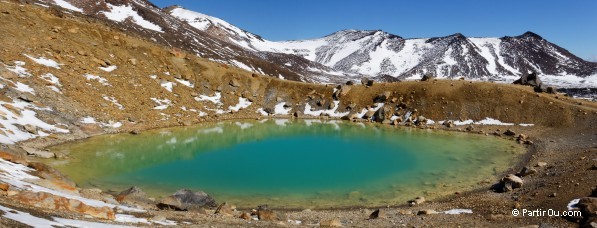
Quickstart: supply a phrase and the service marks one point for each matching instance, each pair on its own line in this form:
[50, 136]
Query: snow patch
[17, 114]
[167, 85]
[19, 69]
[24, 88]
[109, 68]
[161, 103]
[44, 61]
[242, 104]
[51, 79]
[114, 101]
[279, 109]
[458, 211]
[88, 120]
[67, 5]
[330, 112]
[121, 13]
[215, 99]
[99, 79]
[185, 83]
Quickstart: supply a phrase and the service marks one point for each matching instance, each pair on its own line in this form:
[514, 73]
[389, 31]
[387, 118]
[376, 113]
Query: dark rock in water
[135, 196]
[187, 200]
[377, 214]
[349, 83]
[427, 77]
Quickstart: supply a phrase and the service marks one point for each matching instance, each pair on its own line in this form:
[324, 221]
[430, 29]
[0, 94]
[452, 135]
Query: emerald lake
[291, 164]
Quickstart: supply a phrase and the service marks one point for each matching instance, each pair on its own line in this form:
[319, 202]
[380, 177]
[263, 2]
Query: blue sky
[570, 24]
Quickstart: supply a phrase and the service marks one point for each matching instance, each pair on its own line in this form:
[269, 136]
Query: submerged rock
[187, 200]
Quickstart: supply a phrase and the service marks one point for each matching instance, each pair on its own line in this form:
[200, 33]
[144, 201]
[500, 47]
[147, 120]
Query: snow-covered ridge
[376, 53]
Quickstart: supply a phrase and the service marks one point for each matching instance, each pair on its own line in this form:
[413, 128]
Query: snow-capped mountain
[344, 55]
[376, 53]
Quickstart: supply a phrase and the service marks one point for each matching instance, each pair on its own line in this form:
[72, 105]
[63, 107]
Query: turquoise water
[288, 164]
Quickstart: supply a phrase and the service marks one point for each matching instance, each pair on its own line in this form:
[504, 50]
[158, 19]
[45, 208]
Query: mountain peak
[530, 35]
[172, 7]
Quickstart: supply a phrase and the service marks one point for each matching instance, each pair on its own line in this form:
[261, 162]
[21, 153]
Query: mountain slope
[151, 22]
[377, 53]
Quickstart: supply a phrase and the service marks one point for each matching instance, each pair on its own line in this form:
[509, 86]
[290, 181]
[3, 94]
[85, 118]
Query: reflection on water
[284, 163]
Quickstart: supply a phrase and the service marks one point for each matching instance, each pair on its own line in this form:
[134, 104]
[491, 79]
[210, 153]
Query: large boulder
[508, 183]
[427, 77]
[58, 203]
[588, 208]
[532, 79]
[187, 200]
[136, 197]
[384, 113]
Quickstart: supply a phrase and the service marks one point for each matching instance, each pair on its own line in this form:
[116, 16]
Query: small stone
[267, 215]
[377, 214]
[417, 201]
[427, 212]
[541, 164]
[526, 171]
[246, 216]
[224, 209]
[553, 194]
[509, 182]
[133, 62]
[4, 186]
[509, 133]
[330, 223]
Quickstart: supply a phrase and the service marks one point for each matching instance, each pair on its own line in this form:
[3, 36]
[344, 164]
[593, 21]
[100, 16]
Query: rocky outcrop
[52, 202]
[508, 183]
[187, 200]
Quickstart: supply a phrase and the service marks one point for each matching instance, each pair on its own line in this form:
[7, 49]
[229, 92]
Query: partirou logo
[544, 213]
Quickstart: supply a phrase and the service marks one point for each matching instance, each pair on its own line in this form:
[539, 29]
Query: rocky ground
[152, 86]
